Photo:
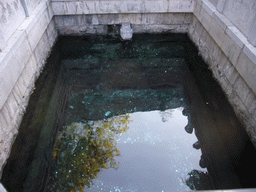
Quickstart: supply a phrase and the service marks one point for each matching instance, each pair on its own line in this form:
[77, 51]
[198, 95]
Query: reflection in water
[143, 148]
[83, 150]
[156, 154]
[151, 100]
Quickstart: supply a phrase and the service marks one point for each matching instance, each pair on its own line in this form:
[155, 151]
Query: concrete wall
[83, 17]
[243, 15]
[214, 2]
[74, 7]
[223, 30]
[21, 60]
[11, 16]
[30, 5]
[231, 57]
[146, 22]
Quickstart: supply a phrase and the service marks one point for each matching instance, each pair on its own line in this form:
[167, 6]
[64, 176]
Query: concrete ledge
[20, 62]
[120, 6]
[16, 53]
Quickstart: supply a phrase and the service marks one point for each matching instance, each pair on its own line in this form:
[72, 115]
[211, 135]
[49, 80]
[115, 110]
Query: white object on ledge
[126, 31]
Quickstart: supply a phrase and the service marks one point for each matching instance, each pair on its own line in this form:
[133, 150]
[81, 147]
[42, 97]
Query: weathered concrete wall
[230, 56]
[31, 4]
[74, 7]
[141, 23]
[214, 2]
[243, 15]
[11, 16]
[20, 63]
[81, 17]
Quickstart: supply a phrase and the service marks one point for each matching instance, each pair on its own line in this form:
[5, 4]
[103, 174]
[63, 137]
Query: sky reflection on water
[156, 154]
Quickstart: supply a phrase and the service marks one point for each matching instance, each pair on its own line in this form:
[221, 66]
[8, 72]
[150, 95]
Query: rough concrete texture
[23, 57]
[241, 13]
[214, 2]
[87, 24]
[231, 41]
[118, 6]
[31, 4]
[11, 16]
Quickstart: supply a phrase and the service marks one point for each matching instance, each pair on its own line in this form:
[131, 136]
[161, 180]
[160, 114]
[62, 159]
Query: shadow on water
[88, 97]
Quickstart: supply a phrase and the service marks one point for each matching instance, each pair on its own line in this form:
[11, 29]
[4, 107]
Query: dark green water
[143, 115]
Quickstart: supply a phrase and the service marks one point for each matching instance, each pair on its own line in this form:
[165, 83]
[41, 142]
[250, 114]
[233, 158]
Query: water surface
[143, 115]
[153, 158]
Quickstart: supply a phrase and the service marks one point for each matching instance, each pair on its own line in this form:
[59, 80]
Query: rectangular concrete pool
[140, 115]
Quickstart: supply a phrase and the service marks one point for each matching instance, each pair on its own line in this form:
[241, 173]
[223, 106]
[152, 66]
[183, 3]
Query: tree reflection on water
[82, 150]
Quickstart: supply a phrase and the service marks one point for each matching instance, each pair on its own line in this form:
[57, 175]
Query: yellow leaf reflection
[82, 150]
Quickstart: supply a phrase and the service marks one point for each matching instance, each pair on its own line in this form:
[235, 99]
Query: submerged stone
[107, 113]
